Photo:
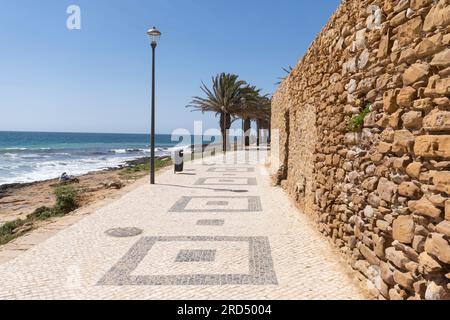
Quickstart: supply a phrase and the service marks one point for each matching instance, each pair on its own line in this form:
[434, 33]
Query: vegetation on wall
[356, 123]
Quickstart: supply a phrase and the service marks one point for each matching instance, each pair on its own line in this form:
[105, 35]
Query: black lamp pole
[154, 35]
[152, 139]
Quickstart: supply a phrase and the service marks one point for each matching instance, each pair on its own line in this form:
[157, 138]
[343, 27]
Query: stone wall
[381, 193]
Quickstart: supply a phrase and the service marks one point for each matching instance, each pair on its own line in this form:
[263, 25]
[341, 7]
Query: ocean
[34, 156]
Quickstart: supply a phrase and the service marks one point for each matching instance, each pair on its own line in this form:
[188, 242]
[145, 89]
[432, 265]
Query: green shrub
[144, 167]
[356, 123]
[7, 230]
[66, 199]
[41, 213]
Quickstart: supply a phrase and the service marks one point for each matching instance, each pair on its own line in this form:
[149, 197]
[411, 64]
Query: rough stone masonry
[382, 193]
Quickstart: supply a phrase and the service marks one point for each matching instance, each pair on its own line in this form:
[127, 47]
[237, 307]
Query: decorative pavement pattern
[217, 204]
[181, 239]
[211, 222]
[259, 256]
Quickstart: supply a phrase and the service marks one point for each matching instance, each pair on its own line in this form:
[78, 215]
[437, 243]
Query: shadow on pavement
[203, 188]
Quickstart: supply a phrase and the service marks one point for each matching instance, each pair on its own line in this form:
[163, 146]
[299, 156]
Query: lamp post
[154, 35]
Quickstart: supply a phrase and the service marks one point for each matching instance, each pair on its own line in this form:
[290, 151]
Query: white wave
[32, 156]
[119, 151]
[130, 150]
[42, 168]
[50, 169]
[11, 155]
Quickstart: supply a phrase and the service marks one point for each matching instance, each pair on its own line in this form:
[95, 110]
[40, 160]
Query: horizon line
[76, 132]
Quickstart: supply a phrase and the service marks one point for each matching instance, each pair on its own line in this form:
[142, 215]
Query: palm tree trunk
[258, 133]
[247, 128]
[225, 124]
[223, 131]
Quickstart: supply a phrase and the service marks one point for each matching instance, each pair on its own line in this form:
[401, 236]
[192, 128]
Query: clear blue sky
[97, 79]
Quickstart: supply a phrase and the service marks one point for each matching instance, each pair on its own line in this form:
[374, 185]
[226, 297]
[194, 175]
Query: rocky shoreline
[5, 188]
[17, 200]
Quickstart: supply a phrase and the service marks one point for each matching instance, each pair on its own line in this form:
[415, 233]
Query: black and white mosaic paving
[211, 222]
[216, 204]
[231, 170]
[260, 263]
[196, 256]
[221, 181]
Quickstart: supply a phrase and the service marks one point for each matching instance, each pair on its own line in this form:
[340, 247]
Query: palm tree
[288, 70]
[263, 116]
[224, 98]
[257, 108]
[248, 109]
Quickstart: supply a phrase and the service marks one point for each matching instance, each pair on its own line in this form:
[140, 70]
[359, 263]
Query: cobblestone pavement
[219, 231]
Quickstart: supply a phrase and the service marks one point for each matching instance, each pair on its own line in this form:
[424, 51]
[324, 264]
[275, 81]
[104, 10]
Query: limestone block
[398, 258]
[432, 146]
[434, 292]
[426, 48]
[413, 169]
[404, 279]
[369, 255]
[417, 4]
[425, 208]
[444, 228]
[403, 141]
[409, 55]
[438, 246]
[383, 49]
[409, 189]
[447, 210]
[412, 120]
[442, 59]
[419, 243]
[437, 120]
[403, 229]
[428, 263]
[386, 190]
[423, 104]
[408, 31]
[437, 86]
[386, 273]
[406, 97]
[441, 179]
[398, 19]
[415, 73]
[439, 16]
[390, 101]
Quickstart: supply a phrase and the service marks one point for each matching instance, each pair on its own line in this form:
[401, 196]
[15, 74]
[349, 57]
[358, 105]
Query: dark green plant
[42, 213]
[144, 168]
[356, 123]
[66, 198]
[7, 230]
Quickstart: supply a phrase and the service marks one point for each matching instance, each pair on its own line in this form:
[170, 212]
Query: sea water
[34, 156]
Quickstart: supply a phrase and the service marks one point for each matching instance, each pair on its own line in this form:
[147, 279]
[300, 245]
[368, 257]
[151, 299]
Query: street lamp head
[154, 35]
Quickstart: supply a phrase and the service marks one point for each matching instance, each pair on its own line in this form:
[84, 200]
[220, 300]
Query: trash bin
[179, 161]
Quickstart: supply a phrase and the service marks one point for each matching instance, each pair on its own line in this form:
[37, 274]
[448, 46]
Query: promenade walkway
[218, 231]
